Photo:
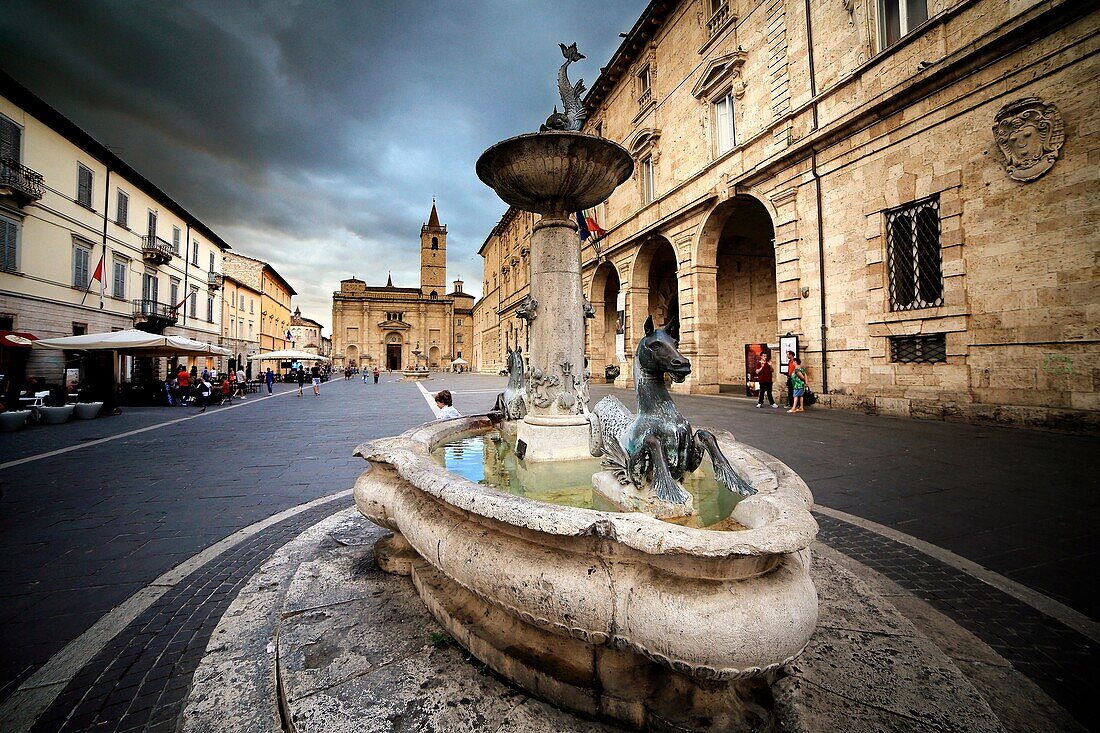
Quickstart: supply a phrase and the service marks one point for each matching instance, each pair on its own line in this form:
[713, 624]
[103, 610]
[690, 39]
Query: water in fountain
[489, 459]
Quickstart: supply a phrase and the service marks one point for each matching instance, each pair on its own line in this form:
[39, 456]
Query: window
[7, 320]
[433, 295]
[724, 136]
[897, 18]
[458, 338]
[152, 228]
[251, 305]
[195, 254]
[81, 255]
[194, 305]
[645, 80]
[79, 329]
[11, 137]
[211, 262]
[122, 208]
[648, 184]
[913, 255]
[176, 234]
[250, 330]
[458, 322]
[925, 349]
[84, 186]
[209, 307]
[119, 266]
[435, 242]
[9, 245]
[174, 292]
[149, 286]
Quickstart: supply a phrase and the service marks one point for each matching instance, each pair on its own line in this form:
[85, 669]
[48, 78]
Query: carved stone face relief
[1029, 134]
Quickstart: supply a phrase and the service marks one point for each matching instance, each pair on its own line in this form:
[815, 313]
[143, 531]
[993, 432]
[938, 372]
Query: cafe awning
[134, 342]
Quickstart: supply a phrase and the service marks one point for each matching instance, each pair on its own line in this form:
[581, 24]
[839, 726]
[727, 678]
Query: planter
[55, 415]
[614, 615]
[13, 420]
[86, 410]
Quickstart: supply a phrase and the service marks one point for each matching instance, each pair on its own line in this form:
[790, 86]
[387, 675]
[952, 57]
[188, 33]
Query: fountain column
[554, 174]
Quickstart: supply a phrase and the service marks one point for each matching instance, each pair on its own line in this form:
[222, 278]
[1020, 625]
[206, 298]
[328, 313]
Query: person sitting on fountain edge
[444, 404]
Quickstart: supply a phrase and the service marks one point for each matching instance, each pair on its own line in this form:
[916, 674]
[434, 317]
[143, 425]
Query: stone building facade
[241, 306]
[506, 281]
[273, 318]
[305, 334]
[384, 325]
[69, 208]
[908, 188]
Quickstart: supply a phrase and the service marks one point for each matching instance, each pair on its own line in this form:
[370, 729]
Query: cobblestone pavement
[1057, 658]
[84, 530]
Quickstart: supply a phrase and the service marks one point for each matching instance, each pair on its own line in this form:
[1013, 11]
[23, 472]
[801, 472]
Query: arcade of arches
[722, 291]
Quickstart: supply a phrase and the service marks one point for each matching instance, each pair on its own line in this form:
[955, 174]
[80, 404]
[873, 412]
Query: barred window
[913, 253]
[928, 349]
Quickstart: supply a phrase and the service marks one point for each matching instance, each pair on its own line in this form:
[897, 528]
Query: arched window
[434, 295]
[435, 242]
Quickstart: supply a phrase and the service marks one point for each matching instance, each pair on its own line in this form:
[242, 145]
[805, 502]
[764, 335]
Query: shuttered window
[81, 255]
[152, 223]
[9, 238]
[84, 186]
[11, 138]
[122, 209]
[176, 235]
[118, 277]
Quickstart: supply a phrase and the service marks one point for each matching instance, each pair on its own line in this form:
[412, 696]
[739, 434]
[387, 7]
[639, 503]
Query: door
[149, 293]
[393, 357]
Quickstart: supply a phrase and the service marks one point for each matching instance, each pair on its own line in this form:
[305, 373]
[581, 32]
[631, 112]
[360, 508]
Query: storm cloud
[313, 134]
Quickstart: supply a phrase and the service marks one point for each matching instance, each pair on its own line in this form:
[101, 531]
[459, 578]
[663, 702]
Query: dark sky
[313, 133]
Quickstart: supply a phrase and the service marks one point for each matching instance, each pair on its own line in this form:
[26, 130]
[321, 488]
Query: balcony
[156, 250]
[214, 280]
[718, 20]
[149, 315]
[19, 182]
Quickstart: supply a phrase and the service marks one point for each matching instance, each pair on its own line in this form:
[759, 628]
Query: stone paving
[84, 530]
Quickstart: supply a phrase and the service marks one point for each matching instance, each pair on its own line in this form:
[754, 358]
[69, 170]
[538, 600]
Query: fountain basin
[615, 615]
[552, 171]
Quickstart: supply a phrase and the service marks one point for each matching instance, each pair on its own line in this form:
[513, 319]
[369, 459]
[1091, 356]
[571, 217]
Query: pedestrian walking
[445, 404]
[366, 373]
[316, 374]
[764, 377]
[301, 380]
[798, 385]
[376, 375]
[269, 377]
[240, 383]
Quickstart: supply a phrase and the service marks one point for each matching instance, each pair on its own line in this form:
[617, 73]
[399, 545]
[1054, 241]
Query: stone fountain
[613, 613]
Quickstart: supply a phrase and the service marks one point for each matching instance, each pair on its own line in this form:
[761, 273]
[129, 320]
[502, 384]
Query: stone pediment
[394, 325]
[721, 74]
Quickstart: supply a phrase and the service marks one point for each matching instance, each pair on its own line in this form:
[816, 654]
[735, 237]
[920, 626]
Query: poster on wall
[72, 380]
[753, 359]
[620, 327]
[786, 343]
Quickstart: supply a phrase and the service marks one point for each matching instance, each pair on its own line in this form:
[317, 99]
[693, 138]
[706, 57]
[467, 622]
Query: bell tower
[433, 256]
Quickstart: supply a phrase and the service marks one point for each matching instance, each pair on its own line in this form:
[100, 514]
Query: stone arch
[351, 355]
[393, 355]
[654, 276]
[433, 357]
[603, 294]
[737, 288]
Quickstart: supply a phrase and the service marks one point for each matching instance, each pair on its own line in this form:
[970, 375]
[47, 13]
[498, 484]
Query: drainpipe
[106, 203]
[186, 267]
[820, 216]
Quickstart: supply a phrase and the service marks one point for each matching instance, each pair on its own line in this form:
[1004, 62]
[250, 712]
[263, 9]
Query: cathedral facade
[393, 327]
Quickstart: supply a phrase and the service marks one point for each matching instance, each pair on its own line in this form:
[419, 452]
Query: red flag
[98, 274]
[593, 227]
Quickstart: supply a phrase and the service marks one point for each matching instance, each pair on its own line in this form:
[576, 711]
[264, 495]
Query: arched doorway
[654, 289]
[739, 241]
[433, 357]
[351, 356]
[393, 352]
[608, 324]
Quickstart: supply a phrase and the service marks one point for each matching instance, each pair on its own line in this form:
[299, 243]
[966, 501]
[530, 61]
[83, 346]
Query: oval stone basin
[615, 615]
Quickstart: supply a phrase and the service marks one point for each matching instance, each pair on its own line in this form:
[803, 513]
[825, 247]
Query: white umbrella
[459, 360]
[132, 341]
[287, 355]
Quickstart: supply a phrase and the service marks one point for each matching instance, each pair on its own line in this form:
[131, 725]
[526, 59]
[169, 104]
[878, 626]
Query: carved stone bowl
[554, 172]
[615, 615]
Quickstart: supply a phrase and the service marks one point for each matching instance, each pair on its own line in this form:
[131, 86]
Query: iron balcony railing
[156, 248]
[153, 310]
[214, 280]
[20, 179]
